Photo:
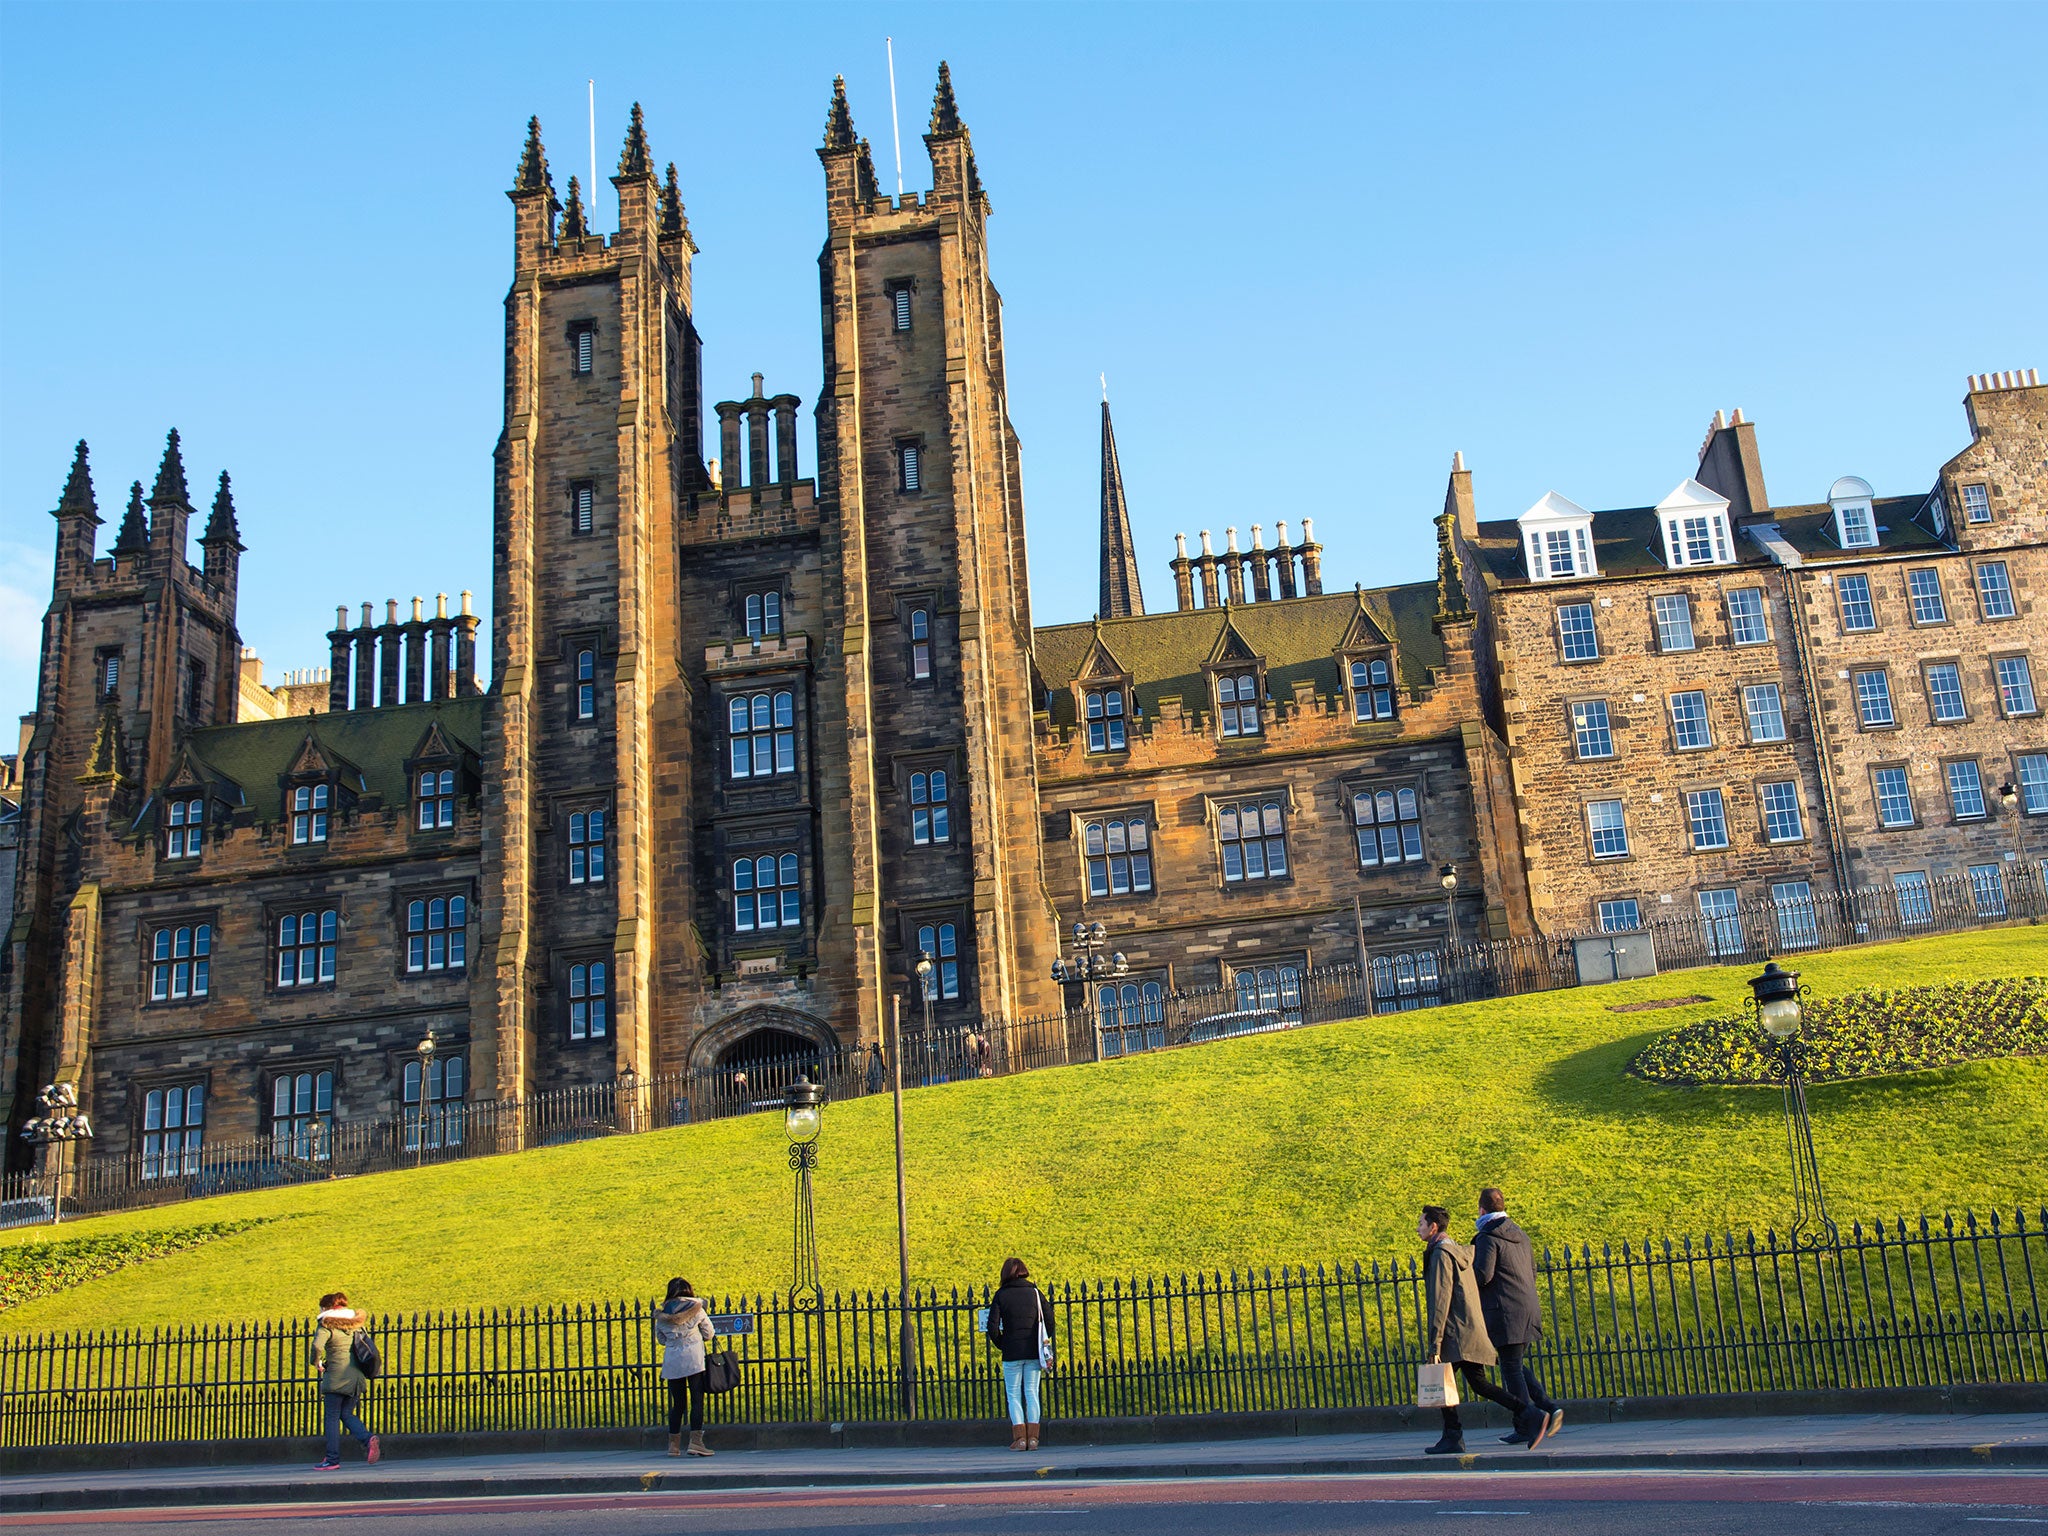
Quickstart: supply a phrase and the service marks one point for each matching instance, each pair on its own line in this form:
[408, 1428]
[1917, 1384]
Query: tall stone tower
[601, 440]
[920, 479]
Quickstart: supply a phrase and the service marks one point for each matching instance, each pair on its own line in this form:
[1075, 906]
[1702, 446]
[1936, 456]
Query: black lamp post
[425, 1051]
[803, 1117]
[2009, 797]
[1089, 963]
[57, 1127]
[1447, 877]
[1775, 1002]
[906, 1341]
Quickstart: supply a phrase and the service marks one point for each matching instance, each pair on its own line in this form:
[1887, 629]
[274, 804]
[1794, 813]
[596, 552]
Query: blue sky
[1316, 249]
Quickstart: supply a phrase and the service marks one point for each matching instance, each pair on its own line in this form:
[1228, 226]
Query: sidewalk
[1862, 1441]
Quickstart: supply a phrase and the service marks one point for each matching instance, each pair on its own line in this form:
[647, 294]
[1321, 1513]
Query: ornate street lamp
[56, 1128]
[1447, 877]
[906, 1342]
[1089, 963]
[425, 1051]
[1775, 1004]
[803, 1117]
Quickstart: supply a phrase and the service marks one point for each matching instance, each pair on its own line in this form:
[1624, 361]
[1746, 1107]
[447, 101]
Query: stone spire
[945, 110]
[107, 762]
[1121, 596]
[533, 163]
[133, 537]
[170, 476]
[221, 527]
[78, 495]
[574, 225]
[675, 224]
[865, 184]
[634, 159]
[839, 122]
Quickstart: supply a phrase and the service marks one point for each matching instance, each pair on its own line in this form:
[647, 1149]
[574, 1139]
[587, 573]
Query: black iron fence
[1926, 1303]
[1115, 1019]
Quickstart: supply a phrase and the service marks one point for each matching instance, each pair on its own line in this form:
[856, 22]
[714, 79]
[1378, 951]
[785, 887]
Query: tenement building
[755, 743]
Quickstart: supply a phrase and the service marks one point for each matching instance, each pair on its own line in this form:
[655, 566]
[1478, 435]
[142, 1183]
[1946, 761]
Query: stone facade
[756, 740]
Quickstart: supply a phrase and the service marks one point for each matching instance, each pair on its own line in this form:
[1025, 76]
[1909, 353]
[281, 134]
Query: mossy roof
[1811, 529]
[1297, 638]
[376, 743]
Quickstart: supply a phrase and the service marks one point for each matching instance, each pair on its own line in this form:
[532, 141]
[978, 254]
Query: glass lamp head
[803, 1112]
[1776, 994]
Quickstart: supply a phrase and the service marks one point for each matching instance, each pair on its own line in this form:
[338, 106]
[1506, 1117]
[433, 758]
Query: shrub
[33, 1270]
[1864, 1034]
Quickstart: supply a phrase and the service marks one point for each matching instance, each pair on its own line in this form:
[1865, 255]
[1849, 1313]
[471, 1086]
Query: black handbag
[721, 1372]
[362, 1349]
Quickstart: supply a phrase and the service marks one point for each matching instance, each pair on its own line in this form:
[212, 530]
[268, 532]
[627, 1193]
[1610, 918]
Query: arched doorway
[768, 1044]
[764, 1036]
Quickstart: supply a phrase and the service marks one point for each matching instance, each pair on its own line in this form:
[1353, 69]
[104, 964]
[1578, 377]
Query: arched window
[767, 892]
[762, 727]
[436, 799]
[187, 829]
[586, 848]
[764, 614]
[1372, 690]
[586, 685]
[940, 942]
[1106, 720]
[930, 816]
[589, 1001]
[1237, 704]
[309, 813]
[1389, 826]
[1119, 856]
[301, 1111]
[1407, 980]
[180, 963]
[920, 643]
[1253, 838]
[441, 1123]
[437, 934]
[306, 943]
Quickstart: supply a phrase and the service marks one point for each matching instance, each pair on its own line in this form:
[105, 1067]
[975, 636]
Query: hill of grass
[1305, 1146]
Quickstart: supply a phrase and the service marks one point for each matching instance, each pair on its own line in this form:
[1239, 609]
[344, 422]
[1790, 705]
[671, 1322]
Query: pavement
[2013, 1442]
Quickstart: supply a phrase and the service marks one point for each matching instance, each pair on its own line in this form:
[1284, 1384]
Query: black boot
[1452, 1444]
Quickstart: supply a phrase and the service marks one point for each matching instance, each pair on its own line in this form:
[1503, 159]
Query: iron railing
[1933, 1303]
[1117, 1019]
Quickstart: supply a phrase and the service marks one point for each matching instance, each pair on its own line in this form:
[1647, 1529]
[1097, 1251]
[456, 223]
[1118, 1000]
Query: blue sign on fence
[732, 1324]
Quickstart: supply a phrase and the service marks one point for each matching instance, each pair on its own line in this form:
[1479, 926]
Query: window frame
[944, 985]
[1864, 699]
[1374, 700]
[902, 305]
[1977, 508]
[184, 825]
[582, 508]
[1999, 661]
[1749, 715]
[1635, 914]
[1659, 624]
[1116, 844]
[1765, 810]
[756, 698]
[928, 788]
[1738, 621]
[310, 807]
[1706, 720]
[1405, 793]
[160, 947]
[1230, 716]
[1108, 730]
[2030, 777]
[591, 843]
[580, 971]
[1562, 638]
[1919, 911]
[1275, 800]
[752, 601]
[1581, 730]
[442, 803]
[1974, 785]
[1595, 831]
[1693, 822]
[583, 348]
[1914, 599]
[920, 650]
[583, 658]
[1877, 796]
[190, 1133]
[910, 476]
[324, 950]
[1678, 551]
[1868, 603]
[1978, 569]
[1928, 667]
[789, 863]
[444, 1116]
[454, 930]
[1868, 511]
[317, 1139]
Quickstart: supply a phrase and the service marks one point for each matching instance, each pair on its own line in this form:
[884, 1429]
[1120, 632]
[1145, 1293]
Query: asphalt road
[1567, 1504]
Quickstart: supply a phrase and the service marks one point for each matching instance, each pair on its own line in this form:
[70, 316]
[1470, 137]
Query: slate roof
[1811, 529]
[258, 754]
[1297, 638]
[1626, 542]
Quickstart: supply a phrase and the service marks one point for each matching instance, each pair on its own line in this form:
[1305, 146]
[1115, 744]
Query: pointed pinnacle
[134, 534]
[533, 163]
[945, 110]
[170, 475]
[674, 221]
[839, 122]
[220, 528]
[634, 159]
[574, 226]
[78, 495]
[865, 186]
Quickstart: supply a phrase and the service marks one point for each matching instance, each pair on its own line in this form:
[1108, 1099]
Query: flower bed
[41, 1269]
[1864, 1034]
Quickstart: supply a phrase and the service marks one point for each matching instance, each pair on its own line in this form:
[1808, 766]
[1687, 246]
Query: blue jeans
[341, 1410]
[1020, 1385]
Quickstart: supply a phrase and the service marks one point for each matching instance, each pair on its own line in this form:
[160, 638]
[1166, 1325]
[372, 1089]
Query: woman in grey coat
[682, 1328]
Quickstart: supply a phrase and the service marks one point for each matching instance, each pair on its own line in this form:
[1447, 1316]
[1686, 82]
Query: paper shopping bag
[1435, 1386]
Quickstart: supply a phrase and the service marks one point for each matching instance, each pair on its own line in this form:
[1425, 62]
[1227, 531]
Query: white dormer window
[1557, 539]
[1855, 520]
[1694, 522]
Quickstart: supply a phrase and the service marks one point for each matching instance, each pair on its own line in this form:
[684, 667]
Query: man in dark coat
[1453, 1317]
[1505, 1268]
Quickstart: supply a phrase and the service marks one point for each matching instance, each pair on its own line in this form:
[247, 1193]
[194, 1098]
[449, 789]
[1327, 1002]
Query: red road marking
[1973, 1489]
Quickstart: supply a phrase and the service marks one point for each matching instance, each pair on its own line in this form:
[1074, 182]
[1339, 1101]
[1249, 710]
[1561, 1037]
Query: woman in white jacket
[682, 1327]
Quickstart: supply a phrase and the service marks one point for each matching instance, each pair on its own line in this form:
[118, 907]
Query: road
[1538, 1504]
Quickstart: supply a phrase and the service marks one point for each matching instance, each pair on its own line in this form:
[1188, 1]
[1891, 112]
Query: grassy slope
[1307, 1146]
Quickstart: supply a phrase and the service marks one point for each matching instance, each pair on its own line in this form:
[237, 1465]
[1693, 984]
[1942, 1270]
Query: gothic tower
[1122, 596]
[919, 474]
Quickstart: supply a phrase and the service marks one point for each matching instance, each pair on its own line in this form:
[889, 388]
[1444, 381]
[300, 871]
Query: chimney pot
[757, 386]
[1205, 543]
[465, 604]
[417, 604]
[1180, 546]
[366, 616]
[341, 615]
[1720, 420]
[1280, 533]
[440, 605]
[1308, 530]
[1258, 537]
[1736, 419]
[390, 610]
[1458, 462]
[1230, 541]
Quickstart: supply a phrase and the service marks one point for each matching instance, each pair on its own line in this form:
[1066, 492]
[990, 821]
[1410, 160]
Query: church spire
[533, 163]
[78, 495]
[1121, 595]
[945, 109]
[134, 535]
[170, 475]
[574, 225]
[839, 121]
[635, 159]
[220, 527]
[675, 223]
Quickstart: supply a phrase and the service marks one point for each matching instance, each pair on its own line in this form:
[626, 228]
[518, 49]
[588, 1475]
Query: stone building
[755, 741]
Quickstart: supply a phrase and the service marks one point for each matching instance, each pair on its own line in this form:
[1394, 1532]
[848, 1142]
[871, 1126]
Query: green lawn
[1307, 1146]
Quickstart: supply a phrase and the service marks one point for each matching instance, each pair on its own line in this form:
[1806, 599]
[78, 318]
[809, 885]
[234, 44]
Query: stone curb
[354, 1487]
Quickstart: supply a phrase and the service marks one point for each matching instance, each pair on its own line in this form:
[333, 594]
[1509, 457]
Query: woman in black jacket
[1020, 1324]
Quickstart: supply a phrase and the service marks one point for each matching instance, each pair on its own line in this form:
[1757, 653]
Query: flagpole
[895, 128]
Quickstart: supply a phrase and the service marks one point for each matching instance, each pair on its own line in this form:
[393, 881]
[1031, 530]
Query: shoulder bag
[362, 1350]
[721, 1371]
[1045, 1352]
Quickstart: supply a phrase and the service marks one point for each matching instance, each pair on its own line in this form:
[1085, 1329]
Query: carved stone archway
[711, 1047]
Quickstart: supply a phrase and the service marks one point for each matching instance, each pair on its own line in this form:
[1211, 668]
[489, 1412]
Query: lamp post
[425, 1051]
[2009, 797]
[57, 1127]
[925, 989]
[1447, 877]
[803, 1117]
[1089, 963]
[629, 1090]
[1775, 1003]
[906, 1334]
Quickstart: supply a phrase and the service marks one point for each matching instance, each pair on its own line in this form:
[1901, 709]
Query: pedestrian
[682, 1327]
[1506, 1271]
[1457, 1324]
[332, 1355]
[1020, 1324]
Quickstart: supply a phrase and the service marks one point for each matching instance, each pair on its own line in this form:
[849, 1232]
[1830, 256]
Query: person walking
[332, 1356]
[1020, 1324]
[1457, 1326]
[1505, 1268]
[682, 1327]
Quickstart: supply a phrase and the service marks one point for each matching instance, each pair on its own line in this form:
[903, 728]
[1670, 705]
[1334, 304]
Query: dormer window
[1557, 539]
[310, 805]
[1106, 725]
[185, 823]
[1855, 519]
[1237, 703]
[1694, 523]
[764, 614]
[1372, 690]
[1977, 503]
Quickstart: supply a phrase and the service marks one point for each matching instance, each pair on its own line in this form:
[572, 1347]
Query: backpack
[362, 1350]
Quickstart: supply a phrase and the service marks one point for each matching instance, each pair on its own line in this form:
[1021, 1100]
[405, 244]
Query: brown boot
[1017, 1441]
[697, 1445]
[1030, 1437]
[675, 1445]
